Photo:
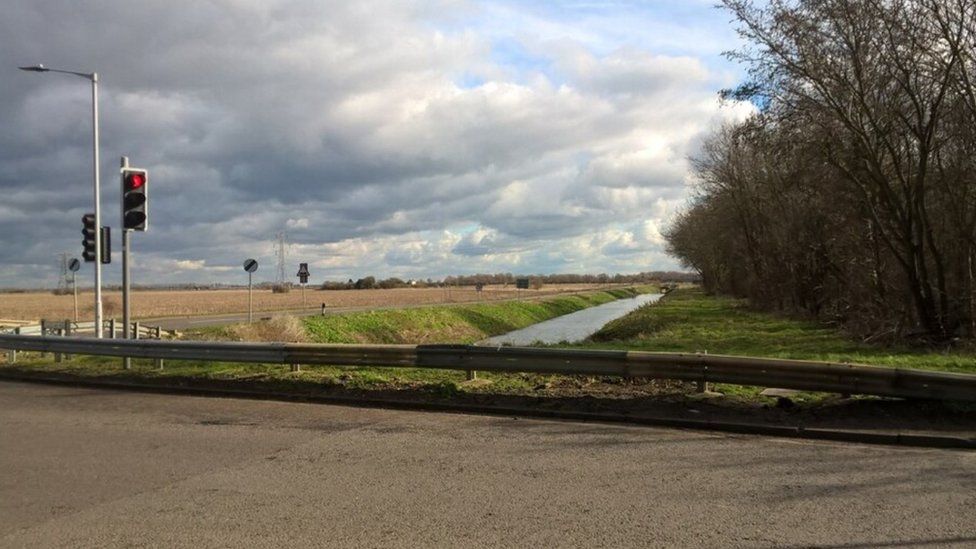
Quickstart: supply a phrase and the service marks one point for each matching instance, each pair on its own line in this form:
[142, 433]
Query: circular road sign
[74, 265]
[250, 265]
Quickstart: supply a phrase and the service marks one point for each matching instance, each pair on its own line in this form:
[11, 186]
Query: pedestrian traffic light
[135, 186]
[88, 231]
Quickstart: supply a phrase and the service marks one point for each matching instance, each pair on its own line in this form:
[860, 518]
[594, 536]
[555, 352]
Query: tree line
[502, 279]
[850, 195]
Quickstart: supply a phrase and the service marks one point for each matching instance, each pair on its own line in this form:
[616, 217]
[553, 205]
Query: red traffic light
[135, 180]
[135, 190]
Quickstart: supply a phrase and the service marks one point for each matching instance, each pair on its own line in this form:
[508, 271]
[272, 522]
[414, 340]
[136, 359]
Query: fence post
[111, 327]
[296, 367]
[12, 353]
[472, 375]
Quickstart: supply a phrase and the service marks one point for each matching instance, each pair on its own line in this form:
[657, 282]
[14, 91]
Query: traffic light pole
[97, 238]
[98, 209]
[126, 319]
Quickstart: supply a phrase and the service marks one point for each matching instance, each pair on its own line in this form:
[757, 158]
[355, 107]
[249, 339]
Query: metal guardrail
[790, 374]
[110, 327]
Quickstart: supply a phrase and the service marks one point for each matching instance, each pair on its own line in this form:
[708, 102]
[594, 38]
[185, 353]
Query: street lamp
[93, 77]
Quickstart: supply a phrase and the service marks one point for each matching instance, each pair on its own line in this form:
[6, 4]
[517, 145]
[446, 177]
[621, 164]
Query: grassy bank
[437, 324]
[456, 324]
[690, 321]
[685, 321]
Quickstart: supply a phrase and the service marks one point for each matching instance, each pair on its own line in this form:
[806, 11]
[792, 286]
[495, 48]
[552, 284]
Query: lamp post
[93, 77]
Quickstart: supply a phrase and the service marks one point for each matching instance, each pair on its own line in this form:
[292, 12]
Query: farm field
[163, 303]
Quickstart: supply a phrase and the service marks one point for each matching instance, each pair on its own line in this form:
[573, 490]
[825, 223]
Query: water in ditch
[574, 326]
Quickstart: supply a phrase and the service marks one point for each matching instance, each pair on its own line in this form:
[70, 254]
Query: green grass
[456, 324]
[436, 324]
[687, 320]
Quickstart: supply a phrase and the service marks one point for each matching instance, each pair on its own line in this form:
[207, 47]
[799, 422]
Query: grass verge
[686, 321]
[435, 324]
[689, 321]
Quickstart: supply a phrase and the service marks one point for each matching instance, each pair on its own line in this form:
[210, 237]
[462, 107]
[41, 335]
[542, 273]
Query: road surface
[96, 468]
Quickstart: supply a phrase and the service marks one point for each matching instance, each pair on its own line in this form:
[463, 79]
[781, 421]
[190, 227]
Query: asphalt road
[82, 467]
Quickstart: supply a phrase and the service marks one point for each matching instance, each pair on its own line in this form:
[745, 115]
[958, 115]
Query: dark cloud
[340, 123]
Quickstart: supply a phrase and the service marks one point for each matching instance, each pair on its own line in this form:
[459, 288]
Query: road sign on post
[303, 279]
[74, 265]
[250, 265]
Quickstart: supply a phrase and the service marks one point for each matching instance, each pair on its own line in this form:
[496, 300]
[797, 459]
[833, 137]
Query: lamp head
[35, 68]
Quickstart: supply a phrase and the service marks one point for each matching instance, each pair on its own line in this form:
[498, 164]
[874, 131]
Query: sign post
[521, 284]
[250, 266]
[303, 279]
[73, 266]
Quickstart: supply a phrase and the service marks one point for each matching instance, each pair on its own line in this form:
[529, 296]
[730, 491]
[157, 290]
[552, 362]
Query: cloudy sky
[416, 139]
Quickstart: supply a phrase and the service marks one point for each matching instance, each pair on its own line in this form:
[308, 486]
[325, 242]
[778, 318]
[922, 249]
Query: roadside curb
[836, 435]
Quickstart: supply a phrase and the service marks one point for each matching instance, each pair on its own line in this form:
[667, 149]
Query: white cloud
[417, 148]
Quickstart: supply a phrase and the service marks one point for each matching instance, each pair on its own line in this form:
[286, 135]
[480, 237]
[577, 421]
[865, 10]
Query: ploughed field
[161, 303]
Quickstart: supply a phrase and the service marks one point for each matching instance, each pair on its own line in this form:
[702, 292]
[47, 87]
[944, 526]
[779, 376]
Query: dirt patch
[286, 329]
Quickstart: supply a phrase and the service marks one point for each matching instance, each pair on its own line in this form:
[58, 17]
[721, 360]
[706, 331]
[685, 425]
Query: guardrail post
[701, 386]
[67, 332]
[44, 329]
[58, 356]
[472, 375]
[296, 367]
[131, 332]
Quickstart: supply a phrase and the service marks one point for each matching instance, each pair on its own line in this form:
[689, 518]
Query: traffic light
[135, 207]
[88, 231]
